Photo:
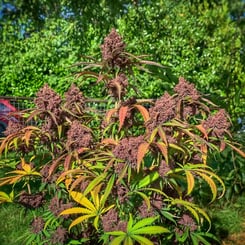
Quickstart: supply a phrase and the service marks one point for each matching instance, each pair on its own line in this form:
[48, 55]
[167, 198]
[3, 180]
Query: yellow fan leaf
[142, 150]
[26, 167]
[190, 182]
[80, 198]
[204, 150]
[80, 220]
[76, 210]
[211, 184]
[128, 241]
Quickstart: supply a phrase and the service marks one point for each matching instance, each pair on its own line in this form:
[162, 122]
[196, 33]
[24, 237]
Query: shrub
[123, 177]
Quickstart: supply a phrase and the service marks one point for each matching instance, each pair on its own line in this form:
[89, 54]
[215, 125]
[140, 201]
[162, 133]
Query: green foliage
[127, 176]
[200, 40]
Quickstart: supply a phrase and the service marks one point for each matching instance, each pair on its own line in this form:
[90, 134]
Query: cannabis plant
[127, 175]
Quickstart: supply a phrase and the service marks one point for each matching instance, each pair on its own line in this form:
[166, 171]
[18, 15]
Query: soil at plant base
[235, 239]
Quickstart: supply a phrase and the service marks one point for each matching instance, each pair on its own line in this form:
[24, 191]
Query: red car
[5, 109]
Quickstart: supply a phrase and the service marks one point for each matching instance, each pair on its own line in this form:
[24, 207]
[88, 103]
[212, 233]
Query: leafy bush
[124, 177]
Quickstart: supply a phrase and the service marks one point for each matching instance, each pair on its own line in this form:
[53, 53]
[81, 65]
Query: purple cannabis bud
[110, 220]
[48, 100]
[31, 200]
[127, 149]
[112, 50]
[188, 222]
[37, 225]
[118, 86]
[56, 206]
[184, 89]
[162, 111]
[78, 136]
[59, 236]
[164, 168]
[13, 128]
[144, 211]
[217, 124]
[75, 101]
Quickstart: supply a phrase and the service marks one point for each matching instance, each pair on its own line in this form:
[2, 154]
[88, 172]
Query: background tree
[201, 40]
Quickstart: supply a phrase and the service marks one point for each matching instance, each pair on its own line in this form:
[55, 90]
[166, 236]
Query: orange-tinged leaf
[222, 145]
[202, 130]
[122, 115]
[164, 150]
[109, 141]
[27, 137]
[239, 151]
[142, 150]
[55, 164]
[162, 135]
[67, 162]
[81, 199]
[190, 182]
[109, 114]
[143, 112]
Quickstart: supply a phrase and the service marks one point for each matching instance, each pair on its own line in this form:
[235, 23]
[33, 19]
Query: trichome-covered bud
[217, 124]
[74, 100]
[112, 50]
[78, 136]
[184, 89]
[127, 150]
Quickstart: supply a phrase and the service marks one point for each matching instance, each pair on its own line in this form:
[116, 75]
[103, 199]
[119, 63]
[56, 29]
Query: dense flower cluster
[75, 101]
[46, 177]
[37, 225]
[59, 236]
[118, 86]
[162, 111]
[127, 149]
[31, 200]
[78, 136]
[13, 128]
[112, 50]
[48, 100]
[164, 168]
[56, 206]
[145, 212]
[217, 124]
[185, 89]
[110, 220]
[188, 222]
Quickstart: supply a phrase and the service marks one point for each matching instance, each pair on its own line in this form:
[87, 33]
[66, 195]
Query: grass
[13, 224]
[229, 220]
